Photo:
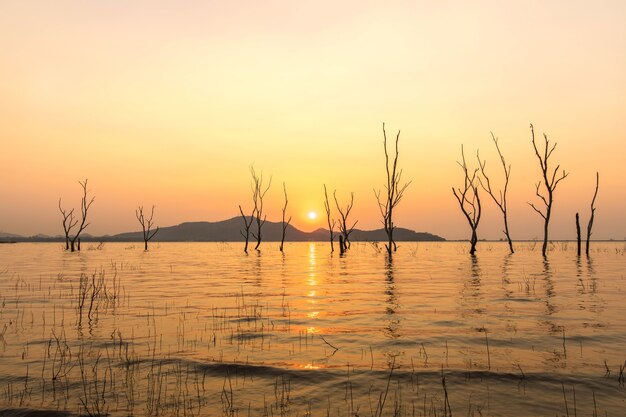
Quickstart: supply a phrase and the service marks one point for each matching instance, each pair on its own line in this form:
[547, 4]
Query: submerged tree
[68, 223]
[550, 180]
[84, 209]
[469, 200]
[69, 220]
[343, 221]
[247, 221]
[258, 193]
[331, 222]
[146, 225]
[284, 223]
[394, 191]
[593, 214]
[577, 234]
[501, 199]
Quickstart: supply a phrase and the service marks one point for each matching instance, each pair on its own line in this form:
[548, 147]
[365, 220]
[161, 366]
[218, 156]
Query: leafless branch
[284, 223]
[84, 210]
[259, 191]
[550, 180]
[469, 199]
[593, 213]
[394, 190]
[146, 225]
[344, 213]
[331, 222]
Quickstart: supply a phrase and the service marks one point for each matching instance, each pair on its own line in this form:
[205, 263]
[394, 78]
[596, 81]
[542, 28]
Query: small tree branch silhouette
[146, 225]
[469, 200]
[394, 191]
[550, 180]
[500, 200]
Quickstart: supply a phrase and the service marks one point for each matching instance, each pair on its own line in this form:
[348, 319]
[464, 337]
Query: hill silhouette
[229, 231]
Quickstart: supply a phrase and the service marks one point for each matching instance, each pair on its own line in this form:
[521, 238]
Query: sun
[312, 215]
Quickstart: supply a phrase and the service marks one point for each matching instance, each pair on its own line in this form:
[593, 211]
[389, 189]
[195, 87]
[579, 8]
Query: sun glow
[312, 215]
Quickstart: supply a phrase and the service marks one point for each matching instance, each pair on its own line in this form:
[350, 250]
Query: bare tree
[343, 222]
[259, 191]
[146, 225]
[593, 214]
[578, 234]
[394, 191]
[550, 181]
[331, 222]
[68, 223]
[285, 223]
[469, 200]
[501, 199]
[69, 220]
[247, 224]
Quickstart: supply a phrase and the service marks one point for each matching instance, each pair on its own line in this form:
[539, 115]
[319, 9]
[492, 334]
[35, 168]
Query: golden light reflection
[312, 279]
[308, 366]
[311, 294]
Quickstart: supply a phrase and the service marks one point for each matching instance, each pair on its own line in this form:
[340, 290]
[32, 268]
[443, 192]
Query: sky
[169, 103]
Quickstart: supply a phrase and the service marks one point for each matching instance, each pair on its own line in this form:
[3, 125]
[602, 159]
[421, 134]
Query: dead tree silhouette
[247, 225]
[146, 225]
[469, 200]
[394, 191]
[593, 214]
[331, 222]
[343, 221]
[577, 234]
[68, 223]
[550, 180]
[258, 194]
[501, 199]
[69, 220]
[284, 224]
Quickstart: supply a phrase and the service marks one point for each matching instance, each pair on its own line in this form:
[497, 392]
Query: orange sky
[169, 103]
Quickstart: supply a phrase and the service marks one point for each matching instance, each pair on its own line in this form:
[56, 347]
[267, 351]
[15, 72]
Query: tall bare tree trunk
[469, 200]
[549, 181]
[284, 223]
[578, 245]
[593, 214]
[259, 192]
[331, 222]
[394, 193]
[501, 200]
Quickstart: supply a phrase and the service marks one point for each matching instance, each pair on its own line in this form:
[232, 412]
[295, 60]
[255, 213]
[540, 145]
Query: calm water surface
[203, 329]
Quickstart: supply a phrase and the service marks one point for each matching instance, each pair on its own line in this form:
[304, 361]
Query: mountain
[222, 231]
[399, 235]
[230, 231]
[4, 235]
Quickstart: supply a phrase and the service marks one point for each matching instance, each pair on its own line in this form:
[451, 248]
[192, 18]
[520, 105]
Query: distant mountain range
[229, 231]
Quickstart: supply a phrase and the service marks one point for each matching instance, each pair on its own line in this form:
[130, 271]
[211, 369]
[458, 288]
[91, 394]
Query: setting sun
[312, 215]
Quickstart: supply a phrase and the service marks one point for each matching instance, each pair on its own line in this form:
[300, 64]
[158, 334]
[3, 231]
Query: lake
[203, 329]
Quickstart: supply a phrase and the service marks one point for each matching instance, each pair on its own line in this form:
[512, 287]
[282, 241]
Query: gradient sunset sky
[169, 103]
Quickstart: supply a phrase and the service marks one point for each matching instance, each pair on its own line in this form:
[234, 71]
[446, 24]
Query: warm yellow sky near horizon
[169, 103]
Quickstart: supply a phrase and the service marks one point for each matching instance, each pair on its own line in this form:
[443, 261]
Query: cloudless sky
[169, 103]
